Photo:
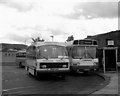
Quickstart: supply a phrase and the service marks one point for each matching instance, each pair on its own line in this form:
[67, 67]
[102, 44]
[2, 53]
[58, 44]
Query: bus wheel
[20, 64]
[72, 72]
[63, 76]
[32, 71]
[35, 73]
[26, 68]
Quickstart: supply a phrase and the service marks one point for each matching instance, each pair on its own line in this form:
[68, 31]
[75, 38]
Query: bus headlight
[96, 60]
[94, 64]
[43, 66]
[64, 66]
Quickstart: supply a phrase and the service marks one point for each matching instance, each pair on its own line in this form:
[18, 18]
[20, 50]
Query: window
[118, 42]
[51, 51]
[31, 52]
[12, 54]
[21, 54]
[84, 52]
[5, 54]
[110, 42]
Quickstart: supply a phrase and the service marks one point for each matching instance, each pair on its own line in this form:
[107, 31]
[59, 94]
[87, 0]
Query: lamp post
[25, 41]
[52, 38]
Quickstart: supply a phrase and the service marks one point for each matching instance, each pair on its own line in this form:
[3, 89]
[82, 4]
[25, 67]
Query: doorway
[110, 60]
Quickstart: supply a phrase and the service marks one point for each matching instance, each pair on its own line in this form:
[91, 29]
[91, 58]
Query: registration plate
[53, 69]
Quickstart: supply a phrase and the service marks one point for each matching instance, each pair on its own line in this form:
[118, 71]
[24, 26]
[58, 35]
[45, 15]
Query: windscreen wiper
[44, 57]
[89, 55]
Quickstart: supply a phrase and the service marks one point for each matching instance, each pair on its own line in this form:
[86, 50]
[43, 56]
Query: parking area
[16, 80]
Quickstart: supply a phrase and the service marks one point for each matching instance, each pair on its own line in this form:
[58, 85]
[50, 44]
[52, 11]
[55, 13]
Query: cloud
[20, 5]
[50, 6]
[90, 10]
[65, 8]
[16, 38]
[24, 19]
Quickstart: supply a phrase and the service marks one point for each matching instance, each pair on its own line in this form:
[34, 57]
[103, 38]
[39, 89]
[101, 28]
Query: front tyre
[62, 76]
[35, 73]
[32, 71]
[20, 64]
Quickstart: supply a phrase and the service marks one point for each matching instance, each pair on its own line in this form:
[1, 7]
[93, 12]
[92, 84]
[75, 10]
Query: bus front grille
[54, 65]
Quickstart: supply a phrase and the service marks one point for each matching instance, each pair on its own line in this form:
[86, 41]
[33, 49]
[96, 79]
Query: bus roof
[82, 42]
[21, 51]
[47, 43]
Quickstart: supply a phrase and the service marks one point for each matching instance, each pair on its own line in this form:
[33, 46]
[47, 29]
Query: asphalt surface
[17, 81]
[0, 80]
[119, 81]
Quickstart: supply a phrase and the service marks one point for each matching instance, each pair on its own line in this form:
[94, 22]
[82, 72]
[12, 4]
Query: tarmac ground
[0, 80]
[112, 87]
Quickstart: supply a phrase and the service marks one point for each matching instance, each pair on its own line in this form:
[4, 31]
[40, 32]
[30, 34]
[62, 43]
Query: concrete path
[112, 87]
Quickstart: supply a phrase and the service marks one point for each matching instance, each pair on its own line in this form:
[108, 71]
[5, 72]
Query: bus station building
[108, 49]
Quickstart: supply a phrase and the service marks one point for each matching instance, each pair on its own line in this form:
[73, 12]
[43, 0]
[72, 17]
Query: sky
[21, 20]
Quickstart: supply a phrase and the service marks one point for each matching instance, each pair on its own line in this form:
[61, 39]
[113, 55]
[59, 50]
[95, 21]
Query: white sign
[110, 42]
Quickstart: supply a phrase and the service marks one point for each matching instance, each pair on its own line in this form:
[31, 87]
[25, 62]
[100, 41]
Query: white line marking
[17, 88]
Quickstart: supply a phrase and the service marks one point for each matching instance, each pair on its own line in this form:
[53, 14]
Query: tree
[37, 40]
[70, 38]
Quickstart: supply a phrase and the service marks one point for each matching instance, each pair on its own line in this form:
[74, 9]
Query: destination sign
[85, 42]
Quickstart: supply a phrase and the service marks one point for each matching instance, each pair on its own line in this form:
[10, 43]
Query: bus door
[110, 59]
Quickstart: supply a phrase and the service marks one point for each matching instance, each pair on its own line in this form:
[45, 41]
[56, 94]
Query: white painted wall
[8, 57]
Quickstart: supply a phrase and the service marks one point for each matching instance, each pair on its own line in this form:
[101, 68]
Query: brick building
[109, 48]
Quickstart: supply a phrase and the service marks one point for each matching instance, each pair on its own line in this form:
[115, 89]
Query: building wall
[8, 58]
[118, 53]
[101, 38]
[0, 56]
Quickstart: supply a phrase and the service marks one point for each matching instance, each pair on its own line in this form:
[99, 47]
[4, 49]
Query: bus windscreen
[21, 54]
[51, 51]
[83, 52]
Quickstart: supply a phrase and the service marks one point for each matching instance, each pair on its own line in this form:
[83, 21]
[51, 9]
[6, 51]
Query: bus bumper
[83, 68]
[52, 71]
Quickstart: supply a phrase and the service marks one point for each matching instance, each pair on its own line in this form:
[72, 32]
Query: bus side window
[94, 42]
[31, 53]
[76, 42]
[34, 52]
[28, 52]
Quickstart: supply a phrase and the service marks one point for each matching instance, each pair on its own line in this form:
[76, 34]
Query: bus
[82, 55]
[21, 58]
[47, 58]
